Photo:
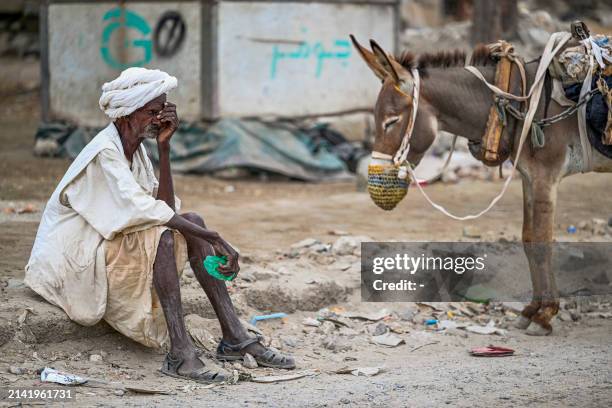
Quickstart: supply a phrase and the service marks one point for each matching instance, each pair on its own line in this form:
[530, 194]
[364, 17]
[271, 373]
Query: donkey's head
[395, 119]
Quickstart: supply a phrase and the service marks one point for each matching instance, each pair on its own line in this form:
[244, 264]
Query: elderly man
[111, 244]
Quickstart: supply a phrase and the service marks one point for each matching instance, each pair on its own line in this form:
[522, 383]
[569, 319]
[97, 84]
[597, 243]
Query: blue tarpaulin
[279, 148]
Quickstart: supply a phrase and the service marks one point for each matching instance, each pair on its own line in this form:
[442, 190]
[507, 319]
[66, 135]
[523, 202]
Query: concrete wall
[82, 57]
[292, 59]
[239, 58]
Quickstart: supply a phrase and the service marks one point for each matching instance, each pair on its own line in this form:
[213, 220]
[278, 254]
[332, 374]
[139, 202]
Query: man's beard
[151, 131]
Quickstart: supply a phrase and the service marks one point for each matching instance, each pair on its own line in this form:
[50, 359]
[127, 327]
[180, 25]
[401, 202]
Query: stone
[247, 276]
[347, 332]
[248, 361]
[188, 272]
[309, 321]
[319, 248]
[348, 245]
[95, 358]
[471, 232]
[261, 275]
[15, 284]
[388, 340]
[335, 344]
[513, 306]
[407, 314]
[17, 370]
[598, 226]
[305, 243]
[289, 341]
[377, 329]
[326, 328]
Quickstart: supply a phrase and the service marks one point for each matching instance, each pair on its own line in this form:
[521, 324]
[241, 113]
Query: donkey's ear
[383, 59]
[370, 59]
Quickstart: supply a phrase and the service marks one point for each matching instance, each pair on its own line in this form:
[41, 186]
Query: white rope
[402, 152]
[534, 97]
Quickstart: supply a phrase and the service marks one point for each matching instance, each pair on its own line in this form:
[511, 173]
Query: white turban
[133, 89]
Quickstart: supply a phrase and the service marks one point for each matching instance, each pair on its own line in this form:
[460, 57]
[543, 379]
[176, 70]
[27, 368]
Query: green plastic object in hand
[211, 263]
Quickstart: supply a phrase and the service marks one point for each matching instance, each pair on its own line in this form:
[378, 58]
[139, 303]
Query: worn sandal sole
[261, 364]
[182, 377]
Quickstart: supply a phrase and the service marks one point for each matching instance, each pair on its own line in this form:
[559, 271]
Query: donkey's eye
[390, 122]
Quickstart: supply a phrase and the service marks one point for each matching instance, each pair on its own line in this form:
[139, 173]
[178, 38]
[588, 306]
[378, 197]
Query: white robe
[99, 196]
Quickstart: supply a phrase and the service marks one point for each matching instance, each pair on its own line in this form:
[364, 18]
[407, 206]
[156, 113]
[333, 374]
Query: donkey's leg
[545, 199]
[531, 309]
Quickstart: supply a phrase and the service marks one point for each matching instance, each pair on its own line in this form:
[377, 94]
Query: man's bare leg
[167, 285]
[232, 329]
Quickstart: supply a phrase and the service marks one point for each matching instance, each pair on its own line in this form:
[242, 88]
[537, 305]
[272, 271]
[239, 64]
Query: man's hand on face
[169, 122]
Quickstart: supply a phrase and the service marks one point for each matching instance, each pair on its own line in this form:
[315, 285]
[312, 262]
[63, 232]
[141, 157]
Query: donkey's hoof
[522, 322]
[535, 329]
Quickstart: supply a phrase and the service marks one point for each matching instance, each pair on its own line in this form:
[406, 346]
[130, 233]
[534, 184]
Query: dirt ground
[572, 367]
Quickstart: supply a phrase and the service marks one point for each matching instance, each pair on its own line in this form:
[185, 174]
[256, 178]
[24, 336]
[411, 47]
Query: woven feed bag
[385, 187]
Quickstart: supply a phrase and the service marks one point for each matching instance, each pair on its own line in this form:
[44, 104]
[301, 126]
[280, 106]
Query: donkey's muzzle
[385, 187]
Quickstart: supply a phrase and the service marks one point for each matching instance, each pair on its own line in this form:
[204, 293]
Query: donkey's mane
[481, 56]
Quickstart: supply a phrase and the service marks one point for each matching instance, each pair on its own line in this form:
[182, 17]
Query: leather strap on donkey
[492, 153]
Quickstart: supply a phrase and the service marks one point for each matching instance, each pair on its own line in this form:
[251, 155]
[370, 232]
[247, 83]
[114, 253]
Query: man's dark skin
[158, 119]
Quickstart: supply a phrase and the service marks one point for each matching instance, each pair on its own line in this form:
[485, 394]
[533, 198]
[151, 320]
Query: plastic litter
[256, 319]
[431, 322]
[571, 229]
[488, 329]
[363, 371]
[54, 376]
[374, 317]
[211, 264]
[491, 351]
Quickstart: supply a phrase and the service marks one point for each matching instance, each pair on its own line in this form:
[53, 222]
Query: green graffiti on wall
[131, 21]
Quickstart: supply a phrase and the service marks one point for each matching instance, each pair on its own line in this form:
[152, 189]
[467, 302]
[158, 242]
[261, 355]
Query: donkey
[454, 100]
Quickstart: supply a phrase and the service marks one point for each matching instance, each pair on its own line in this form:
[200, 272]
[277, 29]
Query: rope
[402, 153]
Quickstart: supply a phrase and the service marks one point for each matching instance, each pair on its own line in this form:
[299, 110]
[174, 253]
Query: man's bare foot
[255, 349]
[190, 367]
[191, 363]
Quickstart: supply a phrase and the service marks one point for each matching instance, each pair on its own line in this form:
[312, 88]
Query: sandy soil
[569, 368]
